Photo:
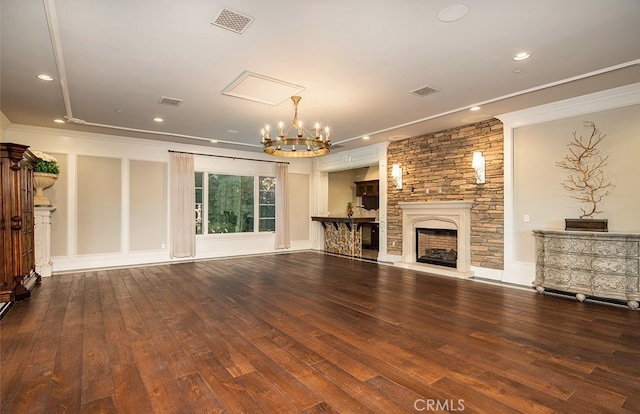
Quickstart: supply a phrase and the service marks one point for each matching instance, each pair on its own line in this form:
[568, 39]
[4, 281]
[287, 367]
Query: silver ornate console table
[604, 265]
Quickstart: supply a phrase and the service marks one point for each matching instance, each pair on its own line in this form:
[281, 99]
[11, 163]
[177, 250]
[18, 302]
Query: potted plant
[349, 209]
[45, 174]
[586, 178]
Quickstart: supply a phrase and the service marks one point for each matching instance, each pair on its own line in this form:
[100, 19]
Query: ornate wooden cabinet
[605, 265]
[17, 258]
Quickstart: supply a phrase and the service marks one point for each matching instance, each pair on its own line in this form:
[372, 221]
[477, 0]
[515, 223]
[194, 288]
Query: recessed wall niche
[99, 205]
[147, 205]
[538, 191]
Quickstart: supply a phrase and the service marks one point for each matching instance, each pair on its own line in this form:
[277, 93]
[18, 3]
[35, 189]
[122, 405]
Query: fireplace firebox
[437, 246]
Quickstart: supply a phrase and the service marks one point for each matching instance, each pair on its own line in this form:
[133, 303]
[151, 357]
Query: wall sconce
[478, 164]
[396, 174]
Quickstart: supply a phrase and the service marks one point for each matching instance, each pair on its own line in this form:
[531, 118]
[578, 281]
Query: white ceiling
[358, 62]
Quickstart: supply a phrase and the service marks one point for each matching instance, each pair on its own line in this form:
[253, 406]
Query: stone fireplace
[450, 217]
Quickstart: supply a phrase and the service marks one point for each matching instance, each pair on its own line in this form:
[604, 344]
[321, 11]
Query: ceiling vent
[170, 101]
[425, 90]
[232, 20]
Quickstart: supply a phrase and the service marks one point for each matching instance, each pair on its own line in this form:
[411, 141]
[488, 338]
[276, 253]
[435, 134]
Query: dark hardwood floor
[310, 333]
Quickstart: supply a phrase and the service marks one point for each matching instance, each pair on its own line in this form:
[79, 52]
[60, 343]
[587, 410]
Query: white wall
[341, 191]
[536, 191]
[299, 203]
[148, 211]
[98, 205]
[104, 222]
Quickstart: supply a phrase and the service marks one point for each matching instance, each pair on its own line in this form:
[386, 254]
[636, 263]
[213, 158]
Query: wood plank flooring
[310, 333]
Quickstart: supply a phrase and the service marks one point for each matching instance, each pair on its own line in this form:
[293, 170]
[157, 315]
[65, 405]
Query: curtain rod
[230, 157]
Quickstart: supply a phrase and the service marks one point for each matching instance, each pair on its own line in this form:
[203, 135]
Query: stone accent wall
[440, 162]
[343, 240]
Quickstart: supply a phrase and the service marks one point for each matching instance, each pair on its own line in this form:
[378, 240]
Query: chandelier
[302, 143]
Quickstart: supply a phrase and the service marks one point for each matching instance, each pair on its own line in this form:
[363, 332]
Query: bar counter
[342, 235]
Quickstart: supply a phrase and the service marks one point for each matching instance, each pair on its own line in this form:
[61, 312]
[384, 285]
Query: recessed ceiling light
[232, 131]
[366, 137]
[522, 56]
[474, 108]
[59, 121]
[45, 77]
[158, 119]
[453, 13]
[518, 70]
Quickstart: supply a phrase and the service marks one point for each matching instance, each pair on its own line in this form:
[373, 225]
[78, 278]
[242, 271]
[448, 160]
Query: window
[228, 206]
[267, 204]
[199, 205]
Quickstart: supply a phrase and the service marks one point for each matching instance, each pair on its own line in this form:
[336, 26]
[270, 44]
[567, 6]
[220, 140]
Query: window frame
[260, 204]
[256, 204]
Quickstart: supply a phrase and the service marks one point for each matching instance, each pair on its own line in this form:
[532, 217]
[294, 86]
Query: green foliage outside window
[230, 204]
[226, 203]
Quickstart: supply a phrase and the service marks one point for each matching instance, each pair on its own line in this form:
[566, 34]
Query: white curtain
[282, 206]
[182, 205]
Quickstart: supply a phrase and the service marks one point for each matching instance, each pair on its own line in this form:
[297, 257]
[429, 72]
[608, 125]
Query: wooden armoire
[17, 256]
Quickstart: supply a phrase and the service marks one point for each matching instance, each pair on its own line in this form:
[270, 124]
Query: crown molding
[595, 102]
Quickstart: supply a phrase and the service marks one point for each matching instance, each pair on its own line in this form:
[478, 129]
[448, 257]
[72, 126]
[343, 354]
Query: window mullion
[205, 202]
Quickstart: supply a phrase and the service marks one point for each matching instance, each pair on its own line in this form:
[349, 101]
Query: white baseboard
[63, 264]
[485, 273]
[519, 273]
[389, 258]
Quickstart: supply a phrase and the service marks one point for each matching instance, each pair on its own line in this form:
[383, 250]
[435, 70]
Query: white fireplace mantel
[437, 214]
